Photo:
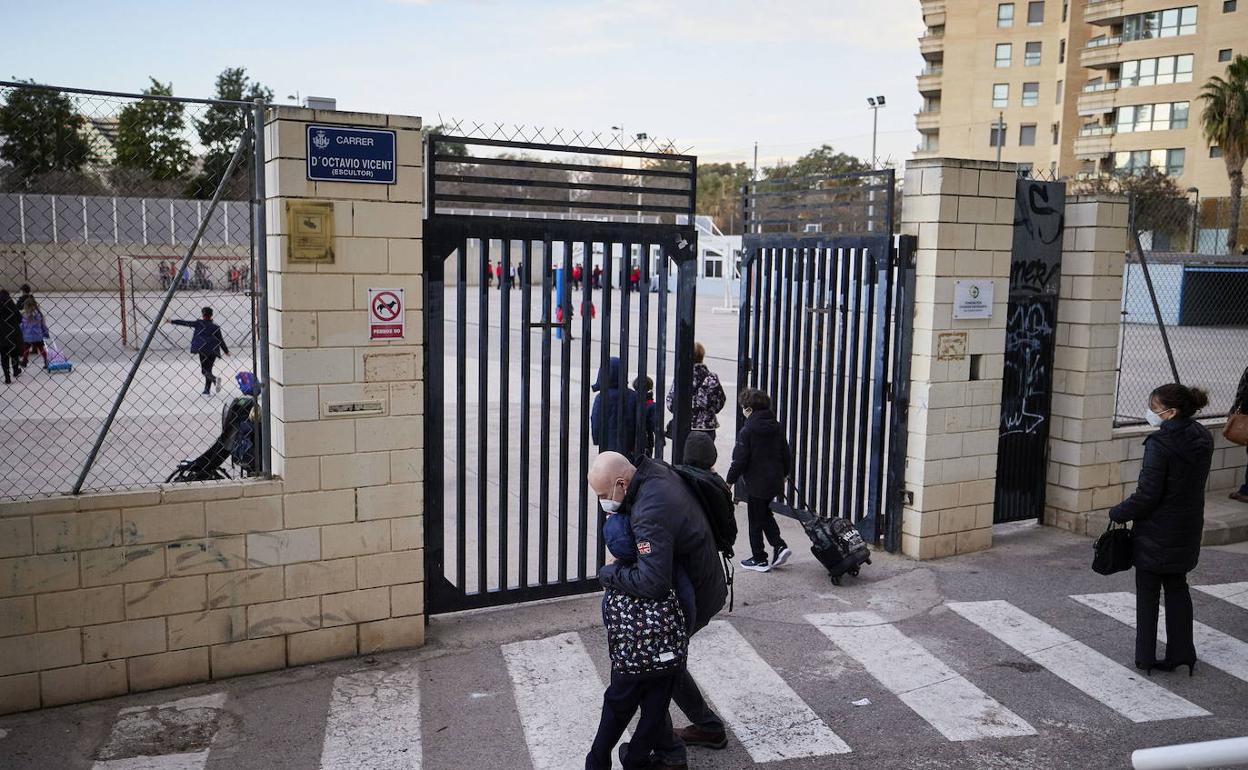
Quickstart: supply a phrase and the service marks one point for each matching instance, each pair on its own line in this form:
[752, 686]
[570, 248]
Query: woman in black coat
[1241, 407]
[761, 458]
[10, 337]
[1168, 508]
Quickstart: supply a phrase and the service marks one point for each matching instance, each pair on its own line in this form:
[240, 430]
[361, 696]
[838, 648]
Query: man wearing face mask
[669, 529]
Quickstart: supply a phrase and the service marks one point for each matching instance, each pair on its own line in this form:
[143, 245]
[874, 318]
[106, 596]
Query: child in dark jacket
[209, 343]
[627, 693]
[763, 460]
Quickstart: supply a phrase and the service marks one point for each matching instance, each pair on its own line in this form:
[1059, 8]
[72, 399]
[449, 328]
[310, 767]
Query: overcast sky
[714, 75]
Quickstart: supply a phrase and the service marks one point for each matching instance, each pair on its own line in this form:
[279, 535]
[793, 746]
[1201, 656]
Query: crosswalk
[373, 719]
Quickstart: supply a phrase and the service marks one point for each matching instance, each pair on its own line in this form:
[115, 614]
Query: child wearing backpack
[763, 460]
[648, 640]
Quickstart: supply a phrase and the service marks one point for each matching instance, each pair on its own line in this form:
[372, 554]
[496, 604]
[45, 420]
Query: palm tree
[1225, 123]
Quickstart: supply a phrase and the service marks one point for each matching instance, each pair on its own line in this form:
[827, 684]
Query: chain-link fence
[1198, 301]
[102, 198]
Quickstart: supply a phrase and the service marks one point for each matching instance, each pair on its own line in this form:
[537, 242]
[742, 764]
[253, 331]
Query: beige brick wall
[101, 595]
[1092, 465]
[962, 212]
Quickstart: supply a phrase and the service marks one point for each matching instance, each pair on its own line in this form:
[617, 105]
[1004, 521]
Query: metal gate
[1030, 338]
[509, 436]
[827, 305]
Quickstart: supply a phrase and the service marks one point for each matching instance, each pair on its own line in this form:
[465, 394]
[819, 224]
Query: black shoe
[697, 736]
[783, 554]
[1173, 665]
[758, 565]
[1147, 668]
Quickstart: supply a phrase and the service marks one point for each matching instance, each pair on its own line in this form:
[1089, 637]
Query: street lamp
[874, 104]
[1195, 216]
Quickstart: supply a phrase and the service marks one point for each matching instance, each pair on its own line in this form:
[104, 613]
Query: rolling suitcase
[834, 541]
[57, 361]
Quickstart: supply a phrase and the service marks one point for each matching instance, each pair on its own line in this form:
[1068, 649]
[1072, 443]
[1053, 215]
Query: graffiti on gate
[1034, 275]
[1028, 351]
[1035, 212]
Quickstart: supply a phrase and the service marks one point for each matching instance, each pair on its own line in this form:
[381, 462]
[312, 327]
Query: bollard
[1223, 753]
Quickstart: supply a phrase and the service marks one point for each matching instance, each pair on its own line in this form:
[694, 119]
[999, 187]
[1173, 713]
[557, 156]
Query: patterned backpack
[646, 637]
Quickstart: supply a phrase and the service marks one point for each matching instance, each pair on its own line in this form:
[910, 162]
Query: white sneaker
[782, 555]
[217, 382]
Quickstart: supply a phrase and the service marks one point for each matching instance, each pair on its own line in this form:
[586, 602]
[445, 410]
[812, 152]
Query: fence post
[260, 283]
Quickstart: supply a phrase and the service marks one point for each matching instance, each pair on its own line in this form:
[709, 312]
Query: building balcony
[933, 12]
[930, 80]
[1098, 99]
[1101, 53]
[928, 151]
[927, 120]
[1094, 142]
[1104, 12]
[932, 46]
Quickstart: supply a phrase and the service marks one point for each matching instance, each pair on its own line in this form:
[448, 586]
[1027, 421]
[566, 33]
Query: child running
[209, 343]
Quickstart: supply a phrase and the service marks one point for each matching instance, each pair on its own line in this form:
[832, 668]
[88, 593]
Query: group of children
[648, 638]
[22, 332]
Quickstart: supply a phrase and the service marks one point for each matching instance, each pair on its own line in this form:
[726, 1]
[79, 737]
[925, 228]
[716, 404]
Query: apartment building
[1082, 88]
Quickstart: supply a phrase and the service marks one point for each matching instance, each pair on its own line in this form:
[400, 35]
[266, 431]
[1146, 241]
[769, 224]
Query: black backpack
[717, 506]
[243, 445]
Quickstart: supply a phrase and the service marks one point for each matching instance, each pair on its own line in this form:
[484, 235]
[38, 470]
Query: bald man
[669, 528]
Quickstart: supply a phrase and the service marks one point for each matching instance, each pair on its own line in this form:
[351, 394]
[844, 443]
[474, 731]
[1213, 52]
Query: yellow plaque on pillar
[311, 232]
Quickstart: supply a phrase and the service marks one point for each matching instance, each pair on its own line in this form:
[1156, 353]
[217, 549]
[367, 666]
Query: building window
[1004, 54]
[996, 135]
[1035, 14]
[1229, 6]
[713, 268]
[1224, 54]
[1056, 128]
[1172, 22]
[1215, 152]
[1152, 117]
[1031, 55]
[1065, 10]
[1058, 99]
[1005, 15]
[1001, 94]
[1161, 71]
[1027, 135]
[1169, 162]
[1061, 52]
[1031, 94]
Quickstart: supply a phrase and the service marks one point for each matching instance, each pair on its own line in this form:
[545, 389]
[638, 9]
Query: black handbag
[1112, 552]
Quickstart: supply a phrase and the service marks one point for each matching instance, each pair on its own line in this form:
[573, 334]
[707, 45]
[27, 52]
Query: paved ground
[1013, 658]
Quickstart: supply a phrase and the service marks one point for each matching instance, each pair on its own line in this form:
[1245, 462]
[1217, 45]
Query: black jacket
[1168, 506]
[614, 428]
[761, 457]
[1241, 395]
[10, 326]
[670, 530]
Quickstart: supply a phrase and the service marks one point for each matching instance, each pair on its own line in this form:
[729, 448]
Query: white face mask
[610, 505]
[1153, 418]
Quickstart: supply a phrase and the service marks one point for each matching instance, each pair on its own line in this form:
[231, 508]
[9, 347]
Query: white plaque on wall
[972, 300]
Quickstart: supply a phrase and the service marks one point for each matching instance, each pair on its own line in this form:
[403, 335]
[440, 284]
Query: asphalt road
[916, 683]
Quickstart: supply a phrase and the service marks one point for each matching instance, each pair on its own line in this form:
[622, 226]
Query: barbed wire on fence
[101, 196]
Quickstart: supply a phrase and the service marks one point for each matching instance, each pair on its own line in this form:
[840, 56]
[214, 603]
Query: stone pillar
[962, 212]
[354, 504]
[1084, 473]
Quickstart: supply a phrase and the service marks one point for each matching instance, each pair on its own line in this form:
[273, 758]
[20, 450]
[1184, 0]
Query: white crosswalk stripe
[1212, 646]
[142, 722]
[374, 721]
[1078, 664]
[770, 720]
[1235, 593]
[559, 696]
[943, 697]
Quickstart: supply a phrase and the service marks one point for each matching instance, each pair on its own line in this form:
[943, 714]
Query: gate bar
[483, 413]
[504, 410]
[525, 280]
[543, 479]
[565, 397]
[461, 452]
[587, 300]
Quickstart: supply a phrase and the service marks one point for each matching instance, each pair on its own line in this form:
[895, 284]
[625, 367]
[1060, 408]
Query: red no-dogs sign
[386, 314]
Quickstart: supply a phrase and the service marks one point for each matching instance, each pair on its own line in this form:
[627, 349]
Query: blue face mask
[1153, 418]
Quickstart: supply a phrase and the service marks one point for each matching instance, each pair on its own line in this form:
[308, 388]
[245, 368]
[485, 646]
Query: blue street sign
[337, 154]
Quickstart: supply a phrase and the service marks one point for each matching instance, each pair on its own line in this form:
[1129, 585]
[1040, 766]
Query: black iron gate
[510, 435]
[827, 302]
[1030, 337]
